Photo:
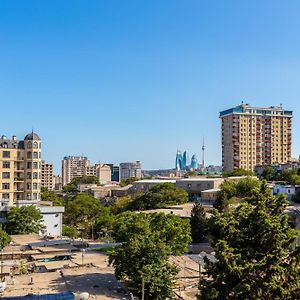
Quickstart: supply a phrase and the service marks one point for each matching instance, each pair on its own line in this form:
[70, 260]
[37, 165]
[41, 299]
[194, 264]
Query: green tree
[47, 195]
[247, 186]
[125, 182]
[143, 257]
[122, 204]
[159, 196]
[70, 232]
[269, 173]
[144, 260]
[256, 253]
[289, 176]
[238, 172]
[71, 188]
[24, 220]
[4, 239]
[171, 229]
[81, 211]
[296, 197]
[198, 223]
[227, 191]
[105, 222]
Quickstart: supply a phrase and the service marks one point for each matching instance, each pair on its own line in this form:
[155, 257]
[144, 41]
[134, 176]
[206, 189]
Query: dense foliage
[71, 188]
[199, 223]
[289, 176]
[256, 253]
[128, 181]
[159, 196]
[70, 232]
[143, 258]
[24, 220]
[81, 211]
[230, 189]
[238, 172]
[4, 239]
[47, 195]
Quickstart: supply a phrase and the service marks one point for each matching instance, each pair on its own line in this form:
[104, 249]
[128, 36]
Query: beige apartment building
[255, 136]
[20, 168]
[73, 166]
[102, 172]
[47, 176]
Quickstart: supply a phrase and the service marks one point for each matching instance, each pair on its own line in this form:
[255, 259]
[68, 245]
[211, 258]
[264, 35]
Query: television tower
[203, 150]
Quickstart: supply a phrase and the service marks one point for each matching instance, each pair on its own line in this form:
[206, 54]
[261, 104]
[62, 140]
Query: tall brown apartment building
[20, 168]
[255, 136]
[73, 166]
[47, 176]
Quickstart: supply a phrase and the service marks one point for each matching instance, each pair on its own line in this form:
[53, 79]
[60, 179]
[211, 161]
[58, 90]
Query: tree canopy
[230, 189]
[81, 211]
[4, 239]
[159, 196]
[238, 172]
[147, 242]
[255, 250]
[71, 188]
[199, 223]
[24, 220]
[47, 195]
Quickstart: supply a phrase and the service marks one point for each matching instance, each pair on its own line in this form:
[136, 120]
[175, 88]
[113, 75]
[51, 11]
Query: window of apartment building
[28, 175]
[5, 196]
[6, 165]
[35, 145]
[35, 155]
[35, 175]
[34, 196]
[29, 145]
[35, 165]
[29, 154]
[5, 175]
[6, 154]
[34, 186]
[5, 186]
[28, 186]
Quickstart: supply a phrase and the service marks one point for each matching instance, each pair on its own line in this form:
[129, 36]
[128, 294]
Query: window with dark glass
[5, 175]
[6, 154]
[6, 165]
[5, 186]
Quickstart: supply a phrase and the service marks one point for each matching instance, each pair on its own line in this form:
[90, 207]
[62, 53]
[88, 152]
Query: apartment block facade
[255, 136]
[20, 168]
[47, 176]
[102, 172]
[130, 169]
[73, 166]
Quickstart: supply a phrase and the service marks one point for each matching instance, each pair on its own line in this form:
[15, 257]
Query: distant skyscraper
[178, 161]
[194, 162]
[255, 136]
[185, 162]
[182, 161]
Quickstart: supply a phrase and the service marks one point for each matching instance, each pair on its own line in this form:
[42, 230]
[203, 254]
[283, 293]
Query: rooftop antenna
[203, 150]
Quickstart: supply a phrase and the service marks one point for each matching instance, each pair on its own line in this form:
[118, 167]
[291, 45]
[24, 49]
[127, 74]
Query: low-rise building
[195, 185]
[52, 215]
[143, 186]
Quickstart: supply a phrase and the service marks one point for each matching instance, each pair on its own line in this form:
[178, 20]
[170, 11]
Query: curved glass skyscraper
[182, 161]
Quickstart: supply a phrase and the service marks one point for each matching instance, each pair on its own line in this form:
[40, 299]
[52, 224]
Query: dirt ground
[98, 280]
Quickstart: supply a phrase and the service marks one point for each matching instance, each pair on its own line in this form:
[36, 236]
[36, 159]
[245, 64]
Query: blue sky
[126, 80]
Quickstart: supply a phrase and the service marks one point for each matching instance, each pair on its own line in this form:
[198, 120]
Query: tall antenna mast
[203, 150]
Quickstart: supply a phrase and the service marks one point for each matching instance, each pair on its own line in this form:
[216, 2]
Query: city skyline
[125, 81]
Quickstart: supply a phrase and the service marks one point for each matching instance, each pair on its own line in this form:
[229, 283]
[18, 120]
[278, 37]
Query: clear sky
[126, 80]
